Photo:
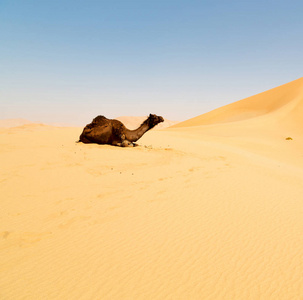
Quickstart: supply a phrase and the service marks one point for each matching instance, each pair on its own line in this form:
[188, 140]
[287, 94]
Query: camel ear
[150, 115]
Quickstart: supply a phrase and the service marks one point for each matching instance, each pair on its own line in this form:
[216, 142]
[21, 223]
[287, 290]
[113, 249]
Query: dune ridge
[285, 97]
[9, 123]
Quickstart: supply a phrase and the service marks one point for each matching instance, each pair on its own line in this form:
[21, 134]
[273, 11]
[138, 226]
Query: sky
[68, 61]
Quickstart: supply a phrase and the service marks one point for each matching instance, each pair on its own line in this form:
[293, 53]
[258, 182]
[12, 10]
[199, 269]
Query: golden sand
[209, 209]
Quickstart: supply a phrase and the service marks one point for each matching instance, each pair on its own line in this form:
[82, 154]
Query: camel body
[110, 131]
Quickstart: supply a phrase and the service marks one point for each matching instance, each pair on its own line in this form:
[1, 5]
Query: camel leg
[118, 144]
[126, 143]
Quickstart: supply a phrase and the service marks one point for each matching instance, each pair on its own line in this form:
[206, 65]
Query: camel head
[154, 120]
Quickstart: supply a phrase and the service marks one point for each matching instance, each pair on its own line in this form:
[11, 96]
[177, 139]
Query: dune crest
[9, 123]
[282, 100]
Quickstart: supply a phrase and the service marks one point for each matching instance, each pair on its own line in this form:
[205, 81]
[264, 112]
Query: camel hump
[96, 122]
[99, 119]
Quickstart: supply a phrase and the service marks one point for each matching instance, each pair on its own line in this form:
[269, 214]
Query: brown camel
[106, 131]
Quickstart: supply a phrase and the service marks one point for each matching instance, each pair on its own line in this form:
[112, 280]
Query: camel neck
[134, 135]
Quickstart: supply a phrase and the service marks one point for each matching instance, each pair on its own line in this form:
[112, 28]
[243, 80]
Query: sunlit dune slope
[284, 102]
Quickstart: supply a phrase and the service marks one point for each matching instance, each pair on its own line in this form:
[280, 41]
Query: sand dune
[285, 101]
[196, 212]
[9, 123]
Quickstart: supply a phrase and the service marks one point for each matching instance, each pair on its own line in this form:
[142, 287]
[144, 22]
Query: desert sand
[210, 208]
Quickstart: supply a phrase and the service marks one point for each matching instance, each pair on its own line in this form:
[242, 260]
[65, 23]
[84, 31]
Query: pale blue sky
[68, 61]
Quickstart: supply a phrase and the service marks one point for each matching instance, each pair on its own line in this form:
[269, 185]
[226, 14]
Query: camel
[110, 131]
